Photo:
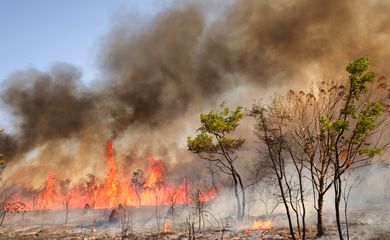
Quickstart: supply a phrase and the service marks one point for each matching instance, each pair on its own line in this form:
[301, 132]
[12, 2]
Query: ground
[367, 224]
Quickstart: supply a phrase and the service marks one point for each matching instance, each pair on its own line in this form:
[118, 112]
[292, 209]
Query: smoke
[49, 105]
[156, 80]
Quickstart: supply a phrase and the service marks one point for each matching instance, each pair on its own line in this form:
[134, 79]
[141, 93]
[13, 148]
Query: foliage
[364, 118]
[215, 143]
[214, 130]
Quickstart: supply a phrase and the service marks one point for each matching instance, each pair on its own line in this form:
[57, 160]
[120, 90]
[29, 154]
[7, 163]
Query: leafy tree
[215, 143]
[351, 134]
[330, 130]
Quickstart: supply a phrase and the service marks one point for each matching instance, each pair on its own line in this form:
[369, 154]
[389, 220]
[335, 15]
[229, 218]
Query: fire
[156, 171]
[116, 188]
[167, 226]
[110, 191]
[262, 225]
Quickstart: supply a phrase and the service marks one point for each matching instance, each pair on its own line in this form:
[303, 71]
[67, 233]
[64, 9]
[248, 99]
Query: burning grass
[145, 206]
[115, 189]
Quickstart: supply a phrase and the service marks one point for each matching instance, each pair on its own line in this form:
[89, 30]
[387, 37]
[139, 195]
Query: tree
[326, 132]
[299, 115]
[172, 199]
[215, 144]
[346, 193]
[138, 182]
[7, 201]
[351, 134]
[65, 191]
[92, 190]
[268, 130]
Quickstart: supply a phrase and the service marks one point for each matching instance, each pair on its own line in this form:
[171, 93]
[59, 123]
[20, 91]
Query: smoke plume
[157, 80]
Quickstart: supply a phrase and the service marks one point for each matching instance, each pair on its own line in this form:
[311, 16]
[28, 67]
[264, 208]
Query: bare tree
[270, 130]
[126, 221]
[138, 182]
[65, 191]
[172, 198]
[7, 202]
[260, 183]
[45, 195]
[158, 190]
[92, 190]
[346, 194]
[198, 206]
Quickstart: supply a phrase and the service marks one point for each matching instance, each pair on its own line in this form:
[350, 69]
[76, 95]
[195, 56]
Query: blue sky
[41, 32]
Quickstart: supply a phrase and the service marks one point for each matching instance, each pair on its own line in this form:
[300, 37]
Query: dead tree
[126, 222]
[299, 114]
[7, 202]
[269, 132]
[138, 182]
[199, 205]
[92, 190]
[346, 194]
[158, 190]
[172, 198]
[259, 185]
[268, 197]
[65, 191]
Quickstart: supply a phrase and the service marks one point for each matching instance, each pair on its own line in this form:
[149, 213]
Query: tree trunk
[287, 209]
[199, 220]
[303, 206]
[337, 187]
[2, 216]
[242, 194]
[320, 227]
[156, 212]
[235, 184]
[346, 217]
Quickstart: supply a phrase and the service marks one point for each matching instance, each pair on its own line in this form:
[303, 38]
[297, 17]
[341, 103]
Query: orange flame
[116, 189]
[156, 172]
[167, 226]
[262, 225]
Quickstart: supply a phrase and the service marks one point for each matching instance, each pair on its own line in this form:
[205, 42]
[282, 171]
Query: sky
[42, 32]
[38, 34]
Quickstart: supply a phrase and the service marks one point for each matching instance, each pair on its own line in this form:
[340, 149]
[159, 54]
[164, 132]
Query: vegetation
[323, 134]
[215, 143]
[309, 143]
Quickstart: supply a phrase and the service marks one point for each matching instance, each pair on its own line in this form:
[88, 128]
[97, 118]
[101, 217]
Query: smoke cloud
[157, 80]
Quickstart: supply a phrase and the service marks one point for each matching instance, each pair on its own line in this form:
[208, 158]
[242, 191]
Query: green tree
[330, 130]
[215, 143]
[351, 134]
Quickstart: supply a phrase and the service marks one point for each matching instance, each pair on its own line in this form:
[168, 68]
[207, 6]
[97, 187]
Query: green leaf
[367, 120]
[370, 151]
[214, 130]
